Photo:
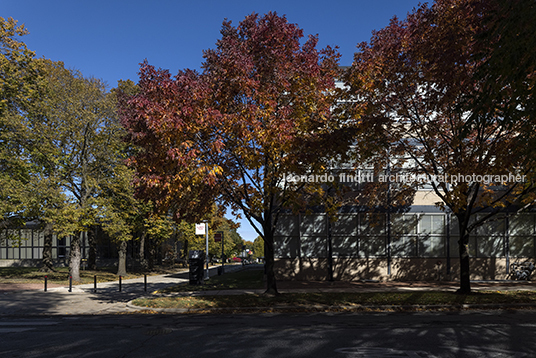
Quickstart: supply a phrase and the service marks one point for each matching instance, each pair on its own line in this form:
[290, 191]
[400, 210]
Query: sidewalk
[108, 299]
[83, 300]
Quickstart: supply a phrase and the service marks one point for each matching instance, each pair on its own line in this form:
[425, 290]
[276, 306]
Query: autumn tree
[273, 98]
[162, 121]
[260, 109]
[413, 85]
[506, 60]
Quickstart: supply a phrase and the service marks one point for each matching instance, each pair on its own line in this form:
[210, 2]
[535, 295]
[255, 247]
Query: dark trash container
[196, 260]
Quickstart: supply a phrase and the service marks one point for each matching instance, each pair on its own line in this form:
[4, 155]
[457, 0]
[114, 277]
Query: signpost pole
[219, 237]
[206, 256]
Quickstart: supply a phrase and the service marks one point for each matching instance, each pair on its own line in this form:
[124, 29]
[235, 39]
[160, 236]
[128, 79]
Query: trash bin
[196, 260]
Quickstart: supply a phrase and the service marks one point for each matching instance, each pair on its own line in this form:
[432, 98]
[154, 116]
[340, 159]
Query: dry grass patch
[340, 299]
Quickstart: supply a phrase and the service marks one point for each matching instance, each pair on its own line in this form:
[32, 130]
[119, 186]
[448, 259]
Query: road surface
[323, 335]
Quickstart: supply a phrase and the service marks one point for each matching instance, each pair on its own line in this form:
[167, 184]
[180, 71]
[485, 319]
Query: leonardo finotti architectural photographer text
[369, 177]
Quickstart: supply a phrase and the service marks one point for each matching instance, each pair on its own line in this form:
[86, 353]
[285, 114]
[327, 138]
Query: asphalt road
[325, 335]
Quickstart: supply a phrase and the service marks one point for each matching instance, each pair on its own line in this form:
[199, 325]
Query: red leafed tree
[414, 84]
[508, 60]
[260, 109]
[163, 119]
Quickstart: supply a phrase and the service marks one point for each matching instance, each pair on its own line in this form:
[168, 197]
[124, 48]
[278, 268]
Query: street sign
[217, 237]
[200, 229]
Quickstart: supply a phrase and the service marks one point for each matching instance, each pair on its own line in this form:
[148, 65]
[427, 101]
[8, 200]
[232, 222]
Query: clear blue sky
[107, 39]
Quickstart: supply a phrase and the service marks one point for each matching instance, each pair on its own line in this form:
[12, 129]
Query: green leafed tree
[217, 223]
[74, 134]
[19, 83]
[258, 247]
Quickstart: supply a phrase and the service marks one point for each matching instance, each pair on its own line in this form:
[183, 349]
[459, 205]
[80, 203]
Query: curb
[327, 308]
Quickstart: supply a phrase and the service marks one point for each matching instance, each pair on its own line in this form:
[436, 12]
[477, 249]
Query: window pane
[522, 246]
[39, 237]
[454, 249]
[522, 224]
[372, 224]
[345, 225]
[403, 246]
[425, 224]
[287, 225]
[13, 253]
[26, 238]
[344, 246]
[438, 224]
[403, 224]
[472, 246]
[490, 246]
[454, 228]
[432, 246]
[313, 246]
[432, 224]
[313, 225]
[370, 246]
[285, 247]
[25, 253]
[492, 227]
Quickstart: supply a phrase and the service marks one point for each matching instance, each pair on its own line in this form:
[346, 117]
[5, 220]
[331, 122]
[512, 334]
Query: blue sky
[107, 39]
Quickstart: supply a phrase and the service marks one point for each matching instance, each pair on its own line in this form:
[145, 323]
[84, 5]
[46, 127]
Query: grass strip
[61, 276]
[247, 279]
[340, 299]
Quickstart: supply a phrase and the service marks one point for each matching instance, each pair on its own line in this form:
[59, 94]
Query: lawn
[252, 279]
[61, 277]
[246, 279]
[340, 300]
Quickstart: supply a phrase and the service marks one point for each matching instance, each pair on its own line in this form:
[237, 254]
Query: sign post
[219, 237]
[201, 229]
[206, 239]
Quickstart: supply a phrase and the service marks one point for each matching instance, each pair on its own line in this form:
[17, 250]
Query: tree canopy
[414, 85]
[260, 109]
[19, 83]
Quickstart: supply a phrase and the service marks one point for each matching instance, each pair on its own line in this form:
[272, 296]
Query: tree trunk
[122, 264]
[48, 264]
[185, 254]
[75, 257]
[465, 282]
[271, 287]
[151, 254]
[92, 254]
